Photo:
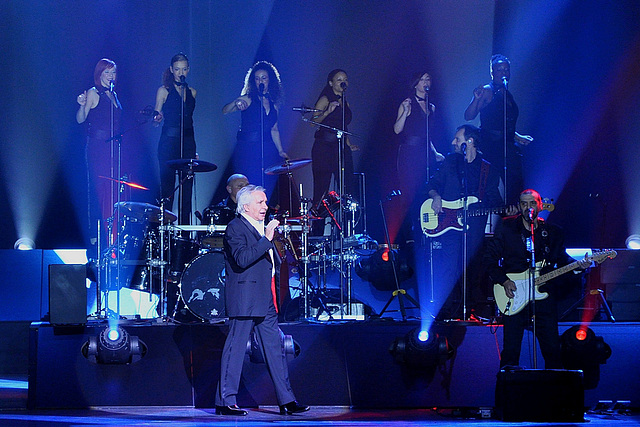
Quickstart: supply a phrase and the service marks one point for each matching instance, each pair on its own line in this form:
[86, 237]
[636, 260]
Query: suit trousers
[267, 335]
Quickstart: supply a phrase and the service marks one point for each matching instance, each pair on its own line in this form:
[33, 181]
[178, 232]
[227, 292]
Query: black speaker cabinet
[545, 395]
[67, 294]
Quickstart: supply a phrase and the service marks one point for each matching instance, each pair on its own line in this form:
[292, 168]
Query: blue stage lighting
[633, 242]
[114, 346]
[421, 349]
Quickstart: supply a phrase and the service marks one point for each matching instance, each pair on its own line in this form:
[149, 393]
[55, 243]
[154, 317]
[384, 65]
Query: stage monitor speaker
[543, 395]
[67, 294]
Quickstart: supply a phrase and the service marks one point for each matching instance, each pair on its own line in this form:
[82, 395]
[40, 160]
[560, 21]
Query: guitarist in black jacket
[463, 173]
[507, 253]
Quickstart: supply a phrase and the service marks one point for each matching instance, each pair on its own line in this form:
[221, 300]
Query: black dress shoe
[230, 410]
[292, 408]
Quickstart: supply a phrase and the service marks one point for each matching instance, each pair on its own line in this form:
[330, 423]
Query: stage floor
[266, 415]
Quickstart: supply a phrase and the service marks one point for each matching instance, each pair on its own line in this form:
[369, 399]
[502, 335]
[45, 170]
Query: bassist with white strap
[507, 254]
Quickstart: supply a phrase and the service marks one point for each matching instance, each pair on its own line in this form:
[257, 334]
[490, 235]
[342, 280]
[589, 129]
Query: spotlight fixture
[421, 349]
[378, 269]
[24, 244]
[583, 350]
[289, 347]
[633, 242]
[114, 346]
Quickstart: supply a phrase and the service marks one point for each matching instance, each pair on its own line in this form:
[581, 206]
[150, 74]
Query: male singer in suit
[251, 263]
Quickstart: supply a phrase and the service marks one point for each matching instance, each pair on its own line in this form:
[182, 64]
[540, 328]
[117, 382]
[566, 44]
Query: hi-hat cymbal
[145, 211]
[287, 166]
[195, 165]
[130, 184]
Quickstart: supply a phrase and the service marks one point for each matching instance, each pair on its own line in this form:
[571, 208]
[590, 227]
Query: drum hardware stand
[399, 292]
[162, 262]
[340, 134]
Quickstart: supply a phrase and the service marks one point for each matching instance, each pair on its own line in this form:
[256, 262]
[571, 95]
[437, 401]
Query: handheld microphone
[304, 109]
[343, 85]
[149, 111]
[505, 82]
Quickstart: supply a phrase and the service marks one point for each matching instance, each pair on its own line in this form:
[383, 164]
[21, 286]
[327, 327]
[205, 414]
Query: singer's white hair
[244, 196]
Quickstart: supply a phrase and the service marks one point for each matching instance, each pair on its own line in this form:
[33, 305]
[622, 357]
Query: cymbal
[145, 211]
[287, 166]
[130, 184]
[195, 165]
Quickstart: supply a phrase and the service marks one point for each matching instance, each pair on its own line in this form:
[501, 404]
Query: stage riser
[346, 364]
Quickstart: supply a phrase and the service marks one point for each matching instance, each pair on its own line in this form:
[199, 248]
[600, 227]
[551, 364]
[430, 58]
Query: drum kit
[183, 265]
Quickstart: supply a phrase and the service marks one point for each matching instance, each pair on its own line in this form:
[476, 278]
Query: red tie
[273, 292]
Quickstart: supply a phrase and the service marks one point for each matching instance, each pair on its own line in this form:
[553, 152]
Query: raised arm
[87, 100]
[404, 110]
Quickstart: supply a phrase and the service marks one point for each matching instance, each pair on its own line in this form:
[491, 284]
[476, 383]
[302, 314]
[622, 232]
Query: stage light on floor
[583, 350]
[114, 346]
[633, 242]
[421, 349]
[24, 244]
[289, 347]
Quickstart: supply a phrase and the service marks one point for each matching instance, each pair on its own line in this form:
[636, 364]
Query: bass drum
[202, 286]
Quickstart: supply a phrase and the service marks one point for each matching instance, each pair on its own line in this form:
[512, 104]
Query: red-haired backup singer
[100, 110]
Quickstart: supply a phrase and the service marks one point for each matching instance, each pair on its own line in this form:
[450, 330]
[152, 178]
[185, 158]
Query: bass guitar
[452, 213]
[510, 306]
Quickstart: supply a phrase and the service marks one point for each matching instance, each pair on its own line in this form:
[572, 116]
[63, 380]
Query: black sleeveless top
[250, 118]
[415, 126]
[334, 120]
[99, 118]
[172, 109]
[492, 116]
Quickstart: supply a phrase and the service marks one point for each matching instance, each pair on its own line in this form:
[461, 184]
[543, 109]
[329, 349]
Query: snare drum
[202, 286]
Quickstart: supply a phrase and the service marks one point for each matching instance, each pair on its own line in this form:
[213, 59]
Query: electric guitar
[452, 212]
[511, 306]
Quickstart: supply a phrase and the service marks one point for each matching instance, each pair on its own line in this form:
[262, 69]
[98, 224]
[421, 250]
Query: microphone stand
[428, 159]
[262, 113]
[465, 232]
[183, 98]
[504, 138]
[532, 291]
[342, 186]
[400, 293]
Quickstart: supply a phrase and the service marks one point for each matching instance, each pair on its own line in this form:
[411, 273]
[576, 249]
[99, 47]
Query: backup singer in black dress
[324, 153]
[258, 103]
[411, 163]
[97, 112]
[175, 144]
[488, 101]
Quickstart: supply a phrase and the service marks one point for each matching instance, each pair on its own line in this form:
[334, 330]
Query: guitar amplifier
[541, 395]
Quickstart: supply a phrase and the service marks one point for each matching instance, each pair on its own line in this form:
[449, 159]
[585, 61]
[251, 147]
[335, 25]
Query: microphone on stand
[111, 85]
[393, 194]
[304, 109]
[261, 89]
[505, 82]
[182, 81]
[343, 85]
[530, 213]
